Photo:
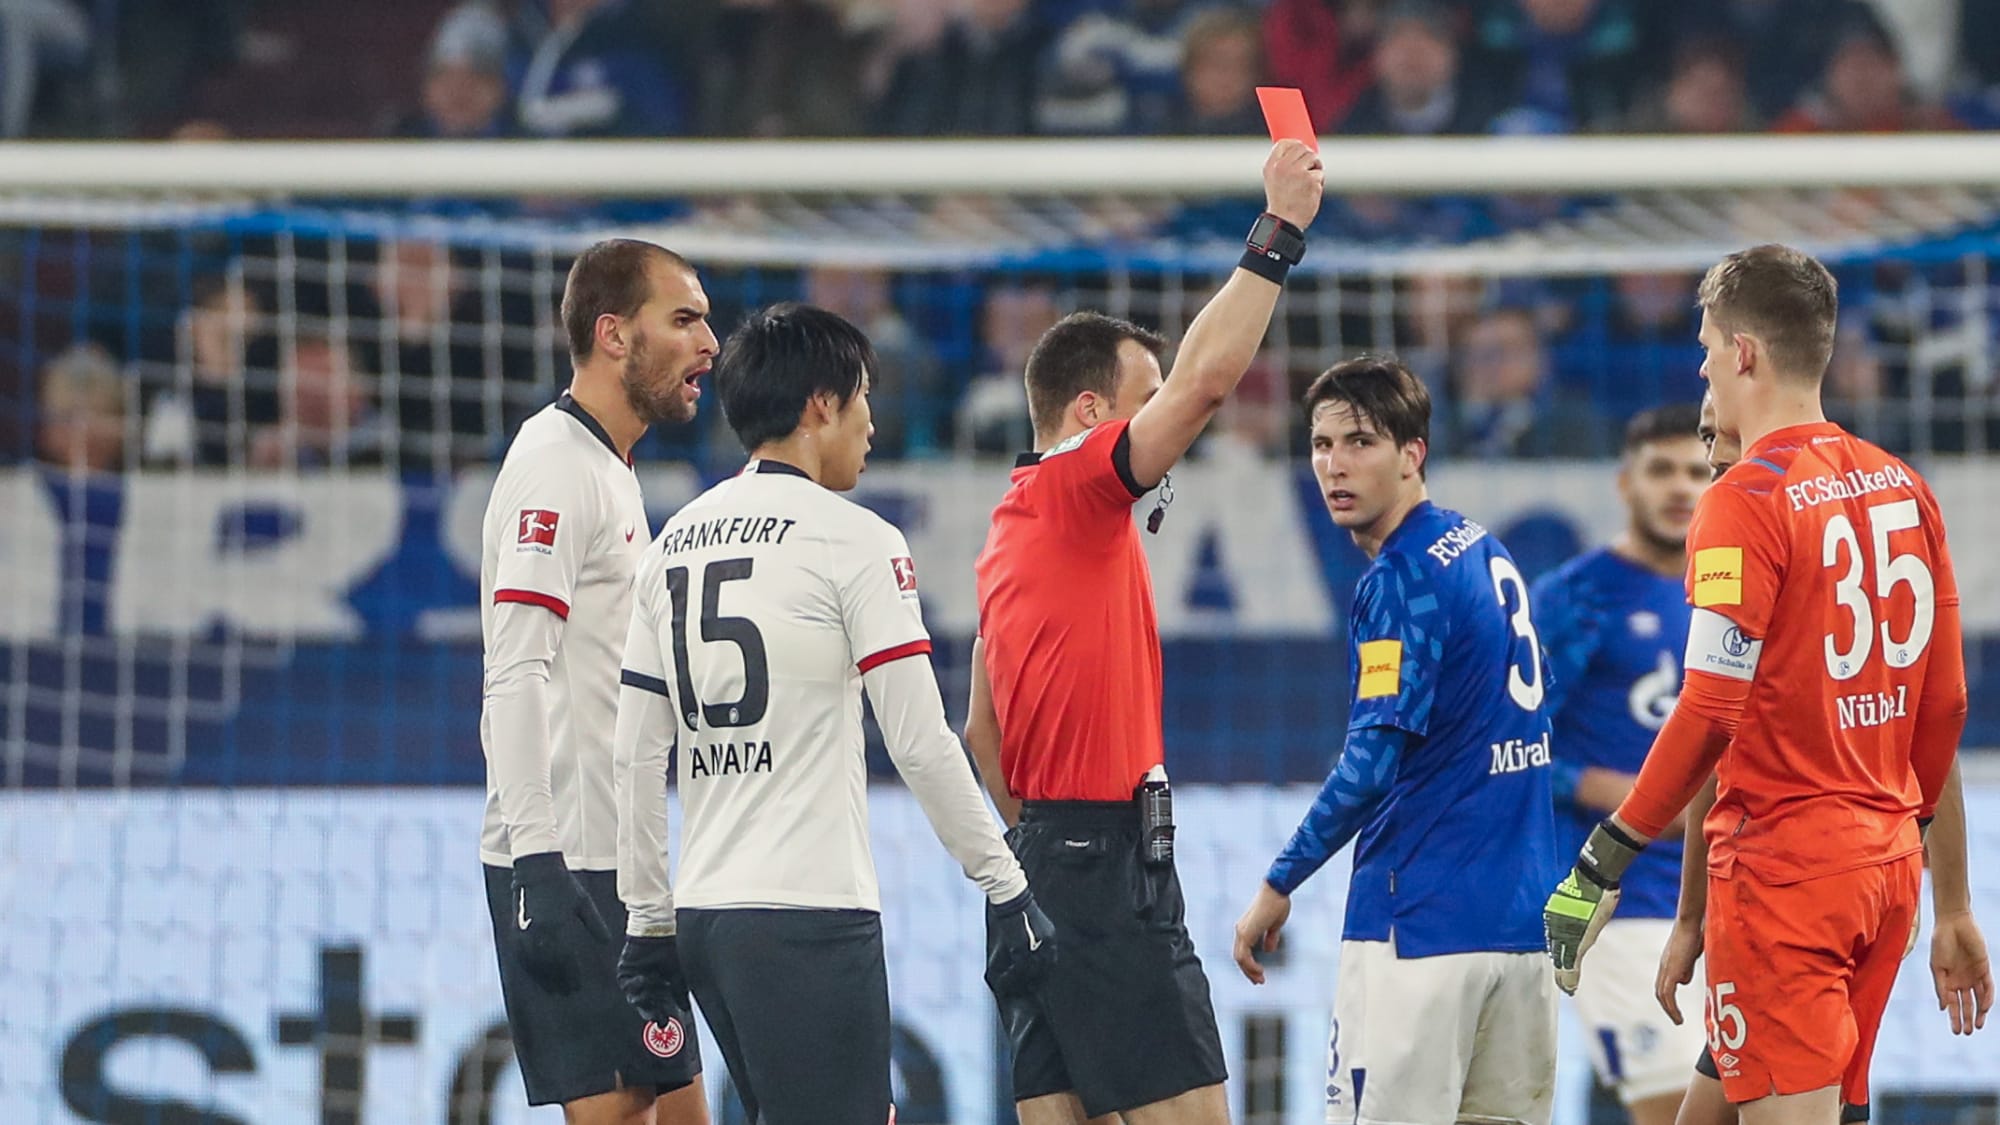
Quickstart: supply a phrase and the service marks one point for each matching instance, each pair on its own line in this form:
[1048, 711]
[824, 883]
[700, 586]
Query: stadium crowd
[418, 359]
[788, 68]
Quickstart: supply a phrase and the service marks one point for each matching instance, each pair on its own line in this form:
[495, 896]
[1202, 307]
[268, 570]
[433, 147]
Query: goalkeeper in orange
[1825, 688]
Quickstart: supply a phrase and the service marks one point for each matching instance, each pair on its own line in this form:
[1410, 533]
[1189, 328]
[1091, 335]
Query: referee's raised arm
[1223, 339]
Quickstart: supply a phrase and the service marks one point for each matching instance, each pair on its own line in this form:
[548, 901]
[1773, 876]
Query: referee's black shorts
[1124, 1020]
[590, 1041]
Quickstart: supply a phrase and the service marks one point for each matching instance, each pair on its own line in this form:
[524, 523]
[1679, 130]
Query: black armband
[1273, 248]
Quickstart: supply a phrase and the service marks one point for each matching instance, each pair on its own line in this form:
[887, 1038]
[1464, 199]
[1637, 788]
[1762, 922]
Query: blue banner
[324, 630]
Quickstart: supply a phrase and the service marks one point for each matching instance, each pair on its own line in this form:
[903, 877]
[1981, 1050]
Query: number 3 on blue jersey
[1525, 687]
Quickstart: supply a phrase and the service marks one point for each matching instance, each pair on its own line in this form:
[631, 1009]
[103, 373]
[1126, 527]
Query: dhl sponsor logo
[1718, 576]
[1381, 669]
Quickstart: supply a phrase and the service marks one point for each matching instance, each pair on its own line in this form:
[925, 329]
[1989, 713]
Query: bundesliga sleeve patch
[1718, 576]
[538, 527]
[906, 573]
[1381, 669]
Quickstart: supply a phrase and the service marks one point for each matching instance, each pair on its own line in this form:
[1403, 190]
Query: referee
[1066, 690]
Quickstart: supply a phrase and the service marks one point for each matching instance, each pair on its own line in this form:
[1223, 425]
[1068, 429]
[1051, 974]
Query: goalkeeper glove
[551, 916]
[649, 972]
[1585, 900]
[1026, 949]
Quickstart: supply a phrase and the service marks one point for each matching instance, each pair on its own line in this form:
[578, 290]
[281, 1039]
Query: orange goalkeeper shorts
[1799, 975]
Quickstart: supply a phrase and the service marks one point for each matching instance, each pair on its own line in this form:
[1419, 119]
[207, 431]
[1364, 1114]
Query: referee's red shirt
[1066, 610]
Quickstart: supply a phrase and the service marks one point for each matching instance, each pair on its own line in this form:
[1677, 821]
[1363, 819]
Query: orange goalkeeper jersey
[1818, 572]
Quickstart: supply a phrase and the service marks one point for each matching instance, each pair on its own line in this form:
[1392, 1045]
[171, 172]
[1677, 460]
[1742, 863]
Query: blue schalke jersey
[1460, 855]
[1615, 634]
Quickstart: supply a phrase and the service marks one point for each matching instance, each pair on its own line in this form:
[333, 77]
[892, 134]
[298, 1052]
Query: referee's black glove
[552, 918]
[649, 971]
[1026, 951]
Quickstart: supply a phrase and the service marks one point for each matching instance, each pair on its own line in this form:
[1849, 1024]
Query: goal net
[252, 399]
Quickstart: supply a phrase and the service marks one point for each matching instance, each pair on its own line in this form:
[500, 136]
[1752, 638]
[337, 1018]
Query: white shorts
[1636, 1049]
[1431, 1040]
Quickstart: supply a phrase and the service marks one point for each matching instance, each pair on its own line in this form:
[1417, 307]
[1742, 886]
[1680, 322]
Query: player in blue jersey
[1615, 623]
[1444, 1011]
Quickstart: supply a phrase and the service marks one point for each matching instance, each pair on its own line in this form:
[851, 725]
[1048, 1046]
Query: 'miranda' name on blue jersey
[1445, 771]
[1615, 633]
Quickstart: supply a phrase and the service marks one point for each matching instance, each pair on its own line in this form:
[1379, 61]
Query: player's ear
[823, 408]
[610, 335]
[1416, 451]
[1748, 348]
[1088, 408]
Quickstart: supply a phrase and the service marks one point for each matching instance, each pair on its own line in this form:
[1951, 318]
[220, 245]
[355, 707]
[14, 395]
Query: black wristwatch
[1273, 248]
[1276, 239]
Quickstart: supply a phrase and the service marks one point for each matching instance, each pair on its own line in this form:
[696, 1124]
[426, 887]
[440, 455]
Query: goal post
[399, 169]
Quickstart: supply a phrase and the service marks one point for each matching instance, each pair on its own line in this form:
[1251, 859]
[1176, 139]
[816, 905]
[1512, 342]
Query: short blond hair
[1782, 296]
[83, 377]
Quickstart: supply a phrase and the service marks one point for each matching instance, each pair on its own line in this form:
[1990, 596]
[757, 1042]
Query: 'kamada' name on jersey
[728, 757]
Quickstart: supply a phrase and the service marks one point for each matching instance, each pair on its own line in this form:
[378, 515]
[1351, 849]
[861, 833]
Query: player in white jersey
[564, 528]
[758, 617]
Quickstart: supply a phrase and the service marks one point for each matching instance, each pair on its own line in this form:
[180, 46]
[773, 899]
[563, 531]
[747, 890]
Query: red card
[1285, 114]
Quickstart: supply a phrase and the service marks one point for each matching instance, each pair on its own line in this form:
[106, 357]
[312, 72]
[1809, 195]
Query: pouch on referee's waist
[1155, 798]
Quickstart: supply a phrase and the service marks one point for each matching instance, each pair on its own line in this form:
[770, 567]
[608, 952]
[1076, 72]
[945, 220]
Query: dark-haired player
[1444, 1011]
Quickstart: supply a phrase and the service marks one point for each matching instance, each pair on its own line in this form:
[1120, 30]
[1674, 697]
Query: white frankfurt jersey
[564, 529]
[756, 616]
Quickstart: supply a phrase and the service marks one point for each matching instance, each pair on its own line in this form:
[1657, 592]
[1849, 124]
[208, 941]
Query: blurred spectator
[465, 78]
[894, 30]
[80, 437]
[1569, 65]
[1785, 43]
[1705, 92]
[1503, 402]
[1119, 70]
[1254, 422]
[593, 73]
[1863, 88]
[223, 383]
[781, 68]
[163, 48]
[453, 387]
[1418, 88]
[313, 69]
[1652, 306]
[201, 129]
[1860, 397]
[906, 394]
[1434, 311]
[326, 420]
[993, 415]
[1222, 63]
[81, 425]
[1648, 353]
[980, 79]
[1979, 41]
[38, 38]
[1324, 48]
